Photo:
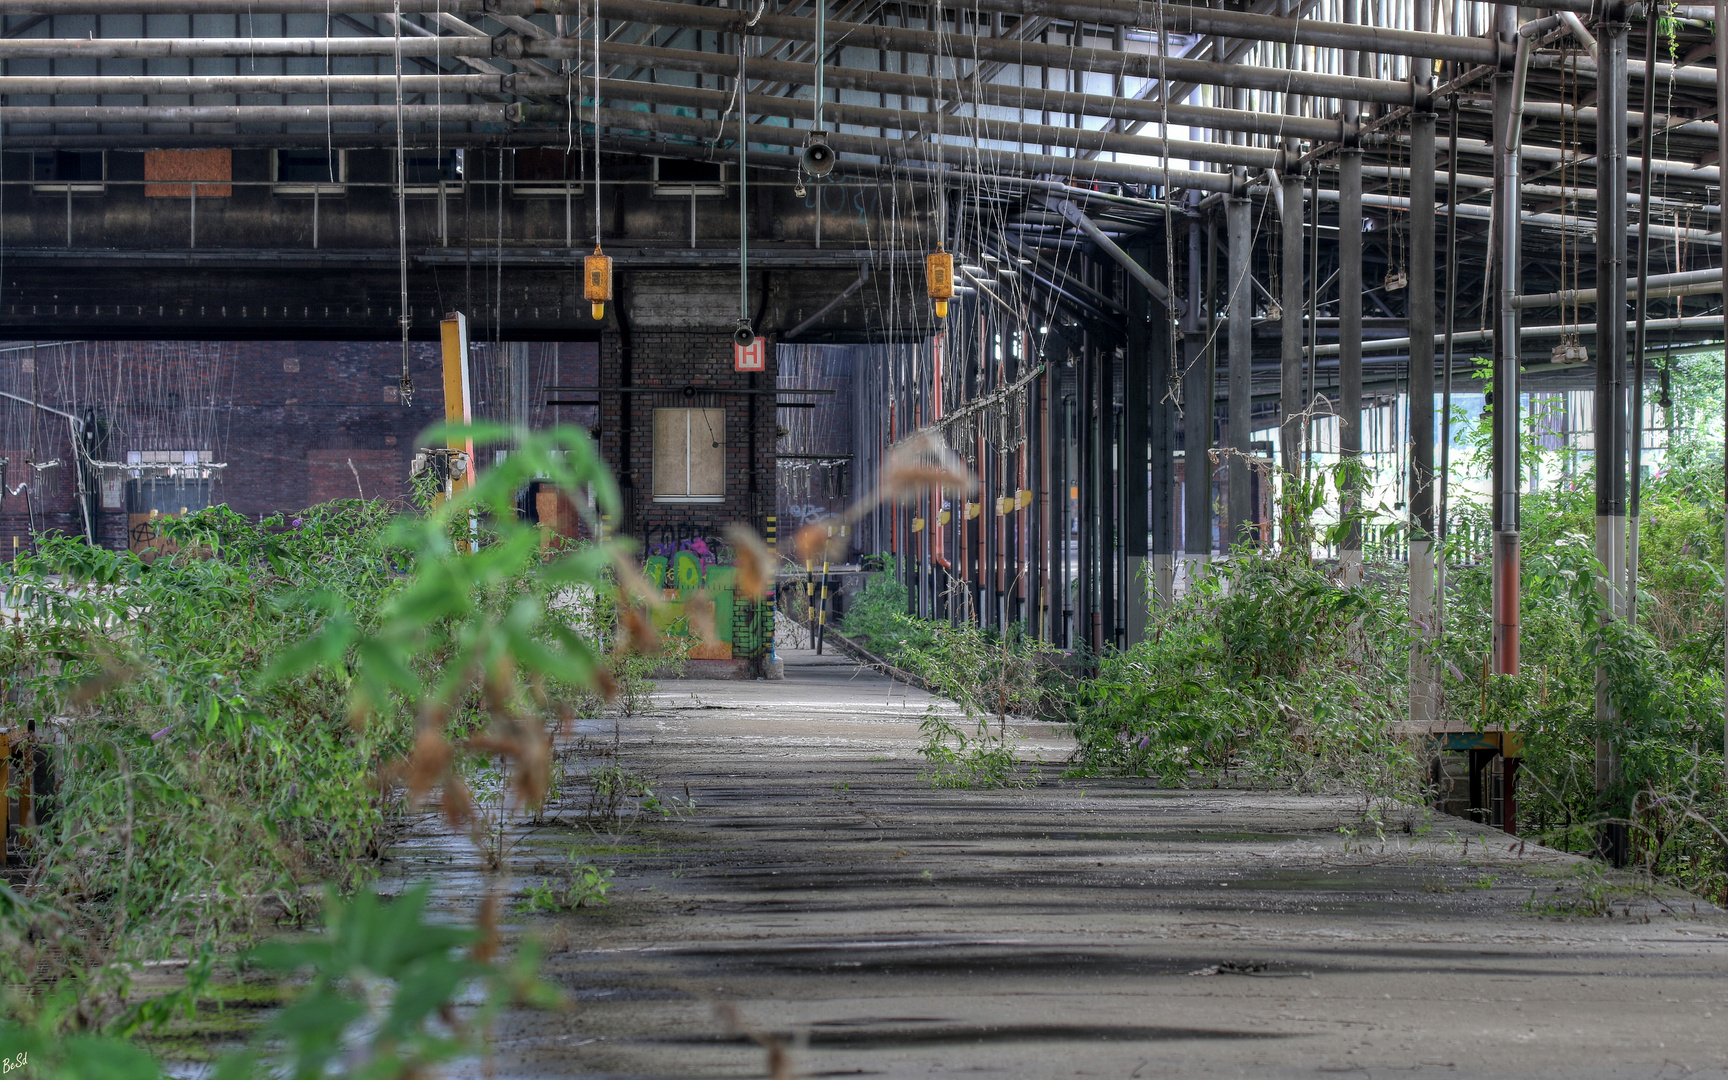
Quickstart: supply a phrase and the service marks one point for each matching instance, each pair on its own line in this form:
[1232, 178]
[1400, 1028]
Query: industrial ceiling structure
[1276, 205]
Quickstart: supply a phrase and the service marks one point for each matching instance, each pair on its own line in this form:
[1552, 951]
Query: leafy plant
[579, 885]
[382, 980]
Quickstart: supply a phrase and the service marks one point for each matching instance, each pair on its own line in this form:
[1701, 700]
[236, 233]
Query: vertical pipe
[1239, 516]
[1350, 358]
[1196, 419]
[1138, 469]
[1162, 418]
[1634, 495]
[1446, 385]
[1610, 387]
[1507, 118]
[1722, 155]
[1349, 407]
[1424, 680]
[1292, 409]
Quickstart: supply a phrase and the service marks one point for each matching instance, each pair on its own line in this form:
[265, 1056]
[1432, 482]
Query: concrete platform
[880, 927]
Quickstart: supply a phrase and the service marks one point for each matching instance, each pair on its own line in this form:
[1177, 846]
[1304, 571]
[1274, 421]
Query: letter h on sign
[751, 357]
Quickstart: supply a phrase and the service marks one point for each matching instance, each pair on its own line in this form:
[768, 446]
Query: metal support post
[1136, 466]
[1508, 95]
[1293, 410]
[1424, 678]
[1197, 412]
[1239, 515]
[1349, 406]
[1611, 267]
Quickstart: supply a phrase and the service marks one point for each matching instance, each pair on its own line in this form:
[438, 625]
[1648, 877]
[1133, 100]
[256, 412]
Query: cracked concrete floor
[1077, 928]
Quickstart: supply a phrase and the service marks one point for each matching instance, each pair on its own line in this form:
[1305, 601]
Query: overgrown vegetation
[239, 727]
[1274, 672]
[989, 676]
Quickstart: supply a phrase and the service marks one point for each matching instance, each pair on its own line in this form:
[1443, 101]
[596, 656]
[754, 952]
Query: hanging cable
[817, 158]
[744, 335]
[597, 268]
[403, 317]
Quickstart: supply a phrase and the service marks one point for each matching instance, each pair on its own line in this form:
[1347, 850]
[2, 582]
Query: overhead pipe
[57, 85]
[1249, 26]
[968, 92]
[1703, 78]
[1546, 221]
[1180, 17]
[907, 120]
[256, 114]
[902, 39]
[1551, 330]
[1684, 283]
[290, 7]
[725, 20]
[1158, 289]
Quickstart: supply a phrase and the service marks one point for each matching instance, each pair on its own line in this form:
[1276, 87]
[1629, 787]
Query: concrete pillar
[1239, 495]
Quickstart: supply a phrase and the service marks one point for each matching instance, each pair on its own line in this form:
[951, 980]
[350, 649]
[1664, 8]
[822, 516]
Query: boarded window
[170, 174]
[689, 455]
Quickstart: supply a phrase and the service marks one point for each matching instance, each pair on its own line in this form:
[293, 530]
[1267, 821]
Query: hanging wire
[403, 315]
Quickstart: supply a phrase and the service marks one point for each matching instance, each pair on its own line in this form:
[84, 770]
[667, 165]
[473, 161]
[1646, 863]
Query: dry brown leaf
[920, 462]
[485, 948]
[810, 542]
[534, 767]
[754, 562]
[637, 630]
[606, 684]
[632, 583]
[458, 804]
[428, 762]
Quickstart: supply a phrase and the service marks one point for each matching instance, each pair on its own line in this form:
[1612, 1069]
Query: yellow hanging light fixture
[939, 278]
[597, 281]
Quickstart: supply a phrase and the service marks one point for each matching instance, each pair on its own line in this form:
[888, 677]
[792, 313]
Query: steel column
[1239, 495]
[1610, 426]
[1293, 410]
[1424, 679]
[1349, 408]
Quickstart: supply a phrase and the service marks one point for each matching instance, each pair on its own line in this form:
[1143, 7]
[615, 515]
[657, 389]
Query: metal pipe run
[689, 16]
[501, 113]
[1685, 283]
[290, 7]
[1311, 33]
[1553, 330]
[1139, 273]
[965, 91]
[1193, 18]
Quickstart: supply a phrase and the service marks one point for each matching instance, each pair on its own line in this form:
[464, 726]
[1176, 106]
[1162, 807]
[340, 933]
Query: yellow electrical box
[597, 281]
[939, 278]
[1022, 499]
[917, 525]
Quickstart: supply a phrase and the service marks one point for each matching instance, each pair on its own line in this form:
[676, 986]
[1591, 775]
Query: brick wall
[296, 423]
[670, 360]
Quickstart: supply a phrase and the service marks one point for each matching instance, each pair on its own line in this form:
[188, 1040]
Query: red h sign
[752, 357]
